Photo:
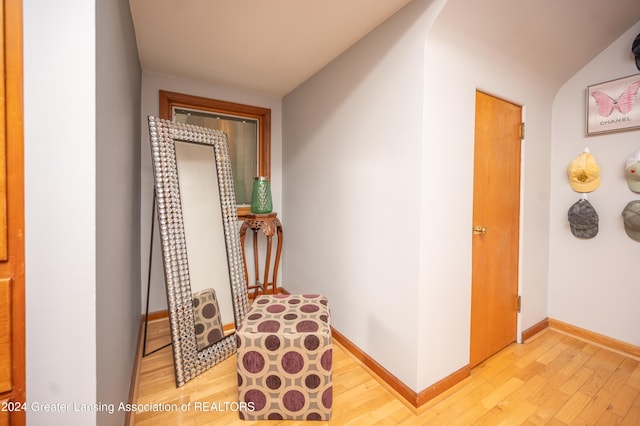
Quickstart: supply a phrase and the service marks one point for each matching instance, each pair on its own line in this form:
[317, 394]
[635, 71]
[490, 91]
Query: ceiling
[272, 46]
[266, 46]
[552, 38]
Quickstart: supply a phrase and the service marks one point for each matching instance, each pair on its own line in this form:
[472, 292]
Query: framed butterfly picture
[614, 105]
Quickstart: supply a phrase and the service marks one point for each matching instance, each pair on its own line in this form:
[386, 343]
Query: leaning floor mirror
[198, 224]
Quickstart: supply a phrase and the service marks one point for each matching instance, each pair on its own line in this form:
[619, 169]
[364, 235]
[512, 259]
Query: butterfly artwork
[614, 105]
[624, 103]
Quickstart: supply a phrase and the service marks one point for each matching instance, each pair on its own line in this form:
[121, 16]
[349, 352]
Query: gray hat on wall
[583, 219]
[631, 216]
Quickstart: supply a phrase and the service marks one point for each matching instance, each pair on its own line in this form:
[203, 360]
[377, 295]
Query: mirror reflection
[242, 135]
[204, 236]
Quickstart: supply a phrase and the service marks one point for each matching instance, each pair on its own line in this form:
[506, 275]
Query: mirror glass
[202, 216]
[201, 253]
[242, 135]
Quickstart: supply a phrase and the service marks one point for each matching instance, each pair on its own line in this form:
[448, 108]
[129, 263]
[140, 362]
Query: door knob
[479, 230]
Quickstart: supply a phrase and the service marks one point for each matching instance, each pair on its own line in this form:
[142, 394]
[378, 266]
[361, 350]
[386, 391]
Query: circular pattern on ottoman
[272, 343]
[327, 397]
[309, 308]
[326, 359]
[273, 382]
[269, 326]
[275, 416]
[257, 397]
[276, 309]
[253, 362]
[292, 362]
[307, 326]
[314, 416]
[293, 400]
[311, 342]
[312, 381]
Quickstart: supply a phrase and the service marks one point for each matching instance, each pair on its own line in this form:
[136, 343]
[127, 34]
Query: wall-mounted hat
[631, 216]
[584, 173]
[635, 49]
[632, 171]
[583, 219]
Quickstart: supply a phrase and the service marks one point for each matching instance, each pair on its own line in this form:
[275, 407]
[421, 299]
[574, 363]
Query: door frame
[519, 330]
[523, 145]
[13, 268]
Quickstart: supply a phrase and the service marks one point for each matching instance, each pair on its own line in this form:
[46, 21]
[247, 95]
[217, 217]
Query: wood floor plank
[575, 382]
[599, 404]
[608, 419]
[515, 405]
[552, 379]
[548, 408]
[632, 418]
[572, 409]
[634, 378]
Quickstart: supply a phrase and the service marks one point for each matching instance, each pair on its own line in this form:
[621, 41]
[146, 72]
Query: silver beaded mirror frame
[188, 361]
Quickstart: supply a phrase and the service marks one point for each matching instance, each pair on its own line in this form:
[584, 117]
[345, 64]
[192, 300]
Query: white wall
[60, 207]
[81, 86]
[378, 172]
[351, 158]
[455, 68]
[593, 283]
[118, 80]
[151, 85]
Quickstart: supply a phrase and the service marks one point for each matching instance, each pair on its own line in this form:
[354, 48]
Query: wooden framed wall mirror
[198, 222]
[248, 131]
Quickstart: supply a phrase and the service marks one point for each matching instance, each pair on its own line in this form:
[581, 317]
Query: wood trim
[403, 390]
[415, 400]
[168, 100]
[15, 266]
[535, 329]
[440, 386]
[596, 338]
[157, 315]
[3, 153]
[6, 353]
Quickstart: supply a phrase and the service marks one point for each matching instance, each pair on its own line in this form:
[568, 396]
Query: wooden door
[12, 321]
[496, 212]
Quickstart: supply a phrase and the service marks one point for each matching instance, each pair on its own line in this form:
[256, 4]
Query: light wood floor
[553, 379]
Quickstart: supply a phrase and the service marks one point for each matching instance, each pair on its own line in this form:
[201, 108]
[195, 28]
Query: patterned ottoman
[285, 358]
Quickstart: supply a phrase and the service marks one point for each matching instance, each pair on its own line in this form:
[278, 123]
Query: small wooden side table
[270, 226]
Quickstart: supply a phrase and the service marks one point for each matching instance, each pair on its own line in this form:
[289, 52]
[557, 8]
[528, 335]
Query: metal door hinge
[522, 131]
[519, 303]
